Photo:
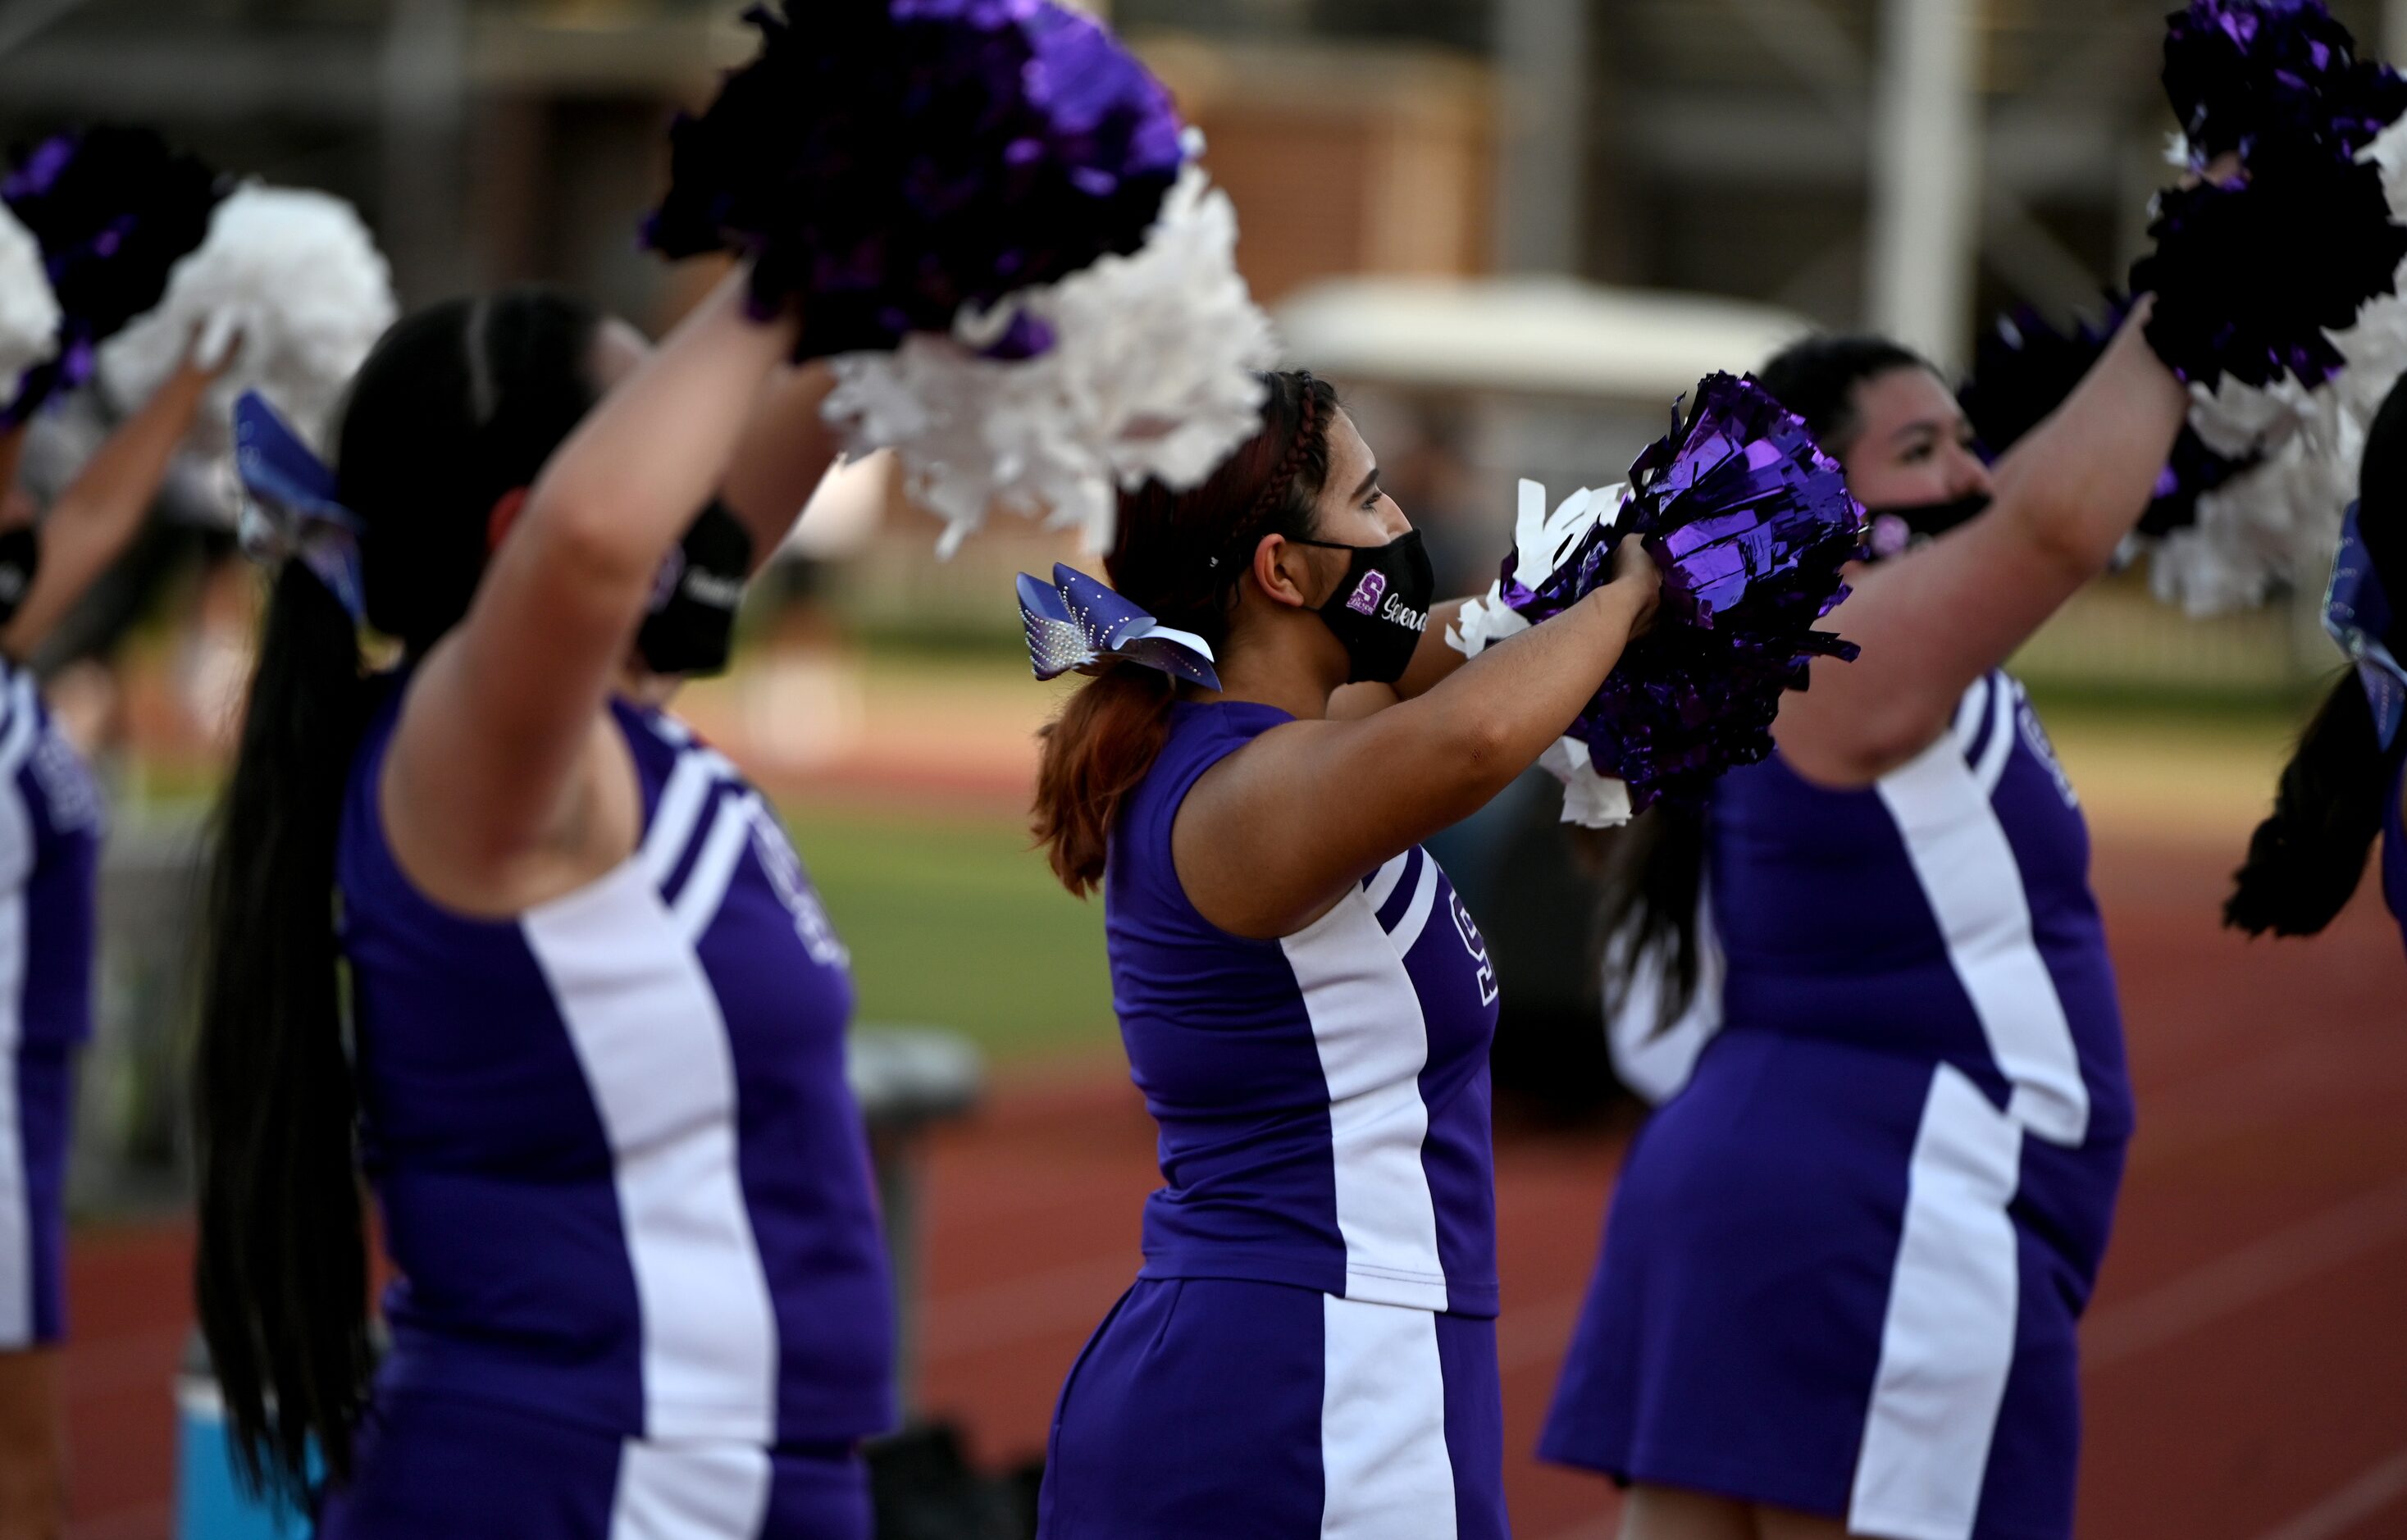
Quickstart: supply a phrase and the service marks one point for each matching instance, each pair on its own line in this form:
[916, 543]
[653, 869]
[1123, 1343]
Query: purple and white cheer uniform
[1310, 1347]
[642, 1289]
[1844, 1261]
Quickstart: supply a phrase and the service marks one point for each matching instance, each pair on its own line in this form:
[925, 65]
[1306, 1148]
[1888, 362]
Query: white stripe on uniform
[714, 1491]
[653, 1046]
[1948, 1338]
[1373, 1042]
[1386, 1474]
[1968, 874]
[17, 742]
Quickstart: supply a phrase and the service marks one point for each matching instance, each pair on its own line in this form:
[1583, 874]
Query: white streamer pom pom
[29, 312]
[1153, 374]
[291, 276]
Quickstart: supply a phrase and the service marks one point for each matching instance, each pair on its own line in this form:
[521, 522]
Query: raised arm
[97, 517]
[1936, 618]
[1272, 836]
[484, 765]
[785, 451]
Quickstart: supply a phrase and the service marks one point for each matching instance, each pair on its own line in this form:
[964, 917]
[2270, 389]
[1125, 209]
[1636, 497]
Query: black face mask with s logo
[692, 626]
[1381, 607]
[21, 557]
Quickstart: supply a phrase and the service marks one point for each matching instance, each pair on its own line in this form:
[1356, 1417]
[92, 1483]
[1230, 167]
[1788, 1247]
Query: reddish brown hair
[1180, 556]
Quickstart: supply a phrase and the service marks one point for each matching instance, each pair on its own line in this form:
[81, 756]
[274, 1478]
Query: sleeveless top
[621, 1178]
[1323, 1099]
[1943, 912]
[51, 823]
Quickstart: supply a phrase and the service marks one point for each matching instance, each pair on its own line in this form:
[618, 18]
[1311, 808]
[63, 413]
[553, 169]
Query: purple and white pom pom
[1752, 525]
[1153, 373]
[29, 311]
[895, 164]
[292, 280]
[115, 208]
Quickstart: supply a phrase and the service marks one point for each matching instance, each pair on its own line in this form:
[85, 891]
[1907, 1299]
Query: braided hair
[1181, 557]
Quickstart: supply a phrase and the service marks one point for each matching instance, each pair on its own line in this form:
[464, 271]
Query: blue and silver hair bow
[2357, 614]
[288, 508]
[1075, 622]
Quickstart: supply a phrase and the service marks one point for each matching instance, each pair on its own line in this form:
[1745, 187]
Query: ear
[506, 513]
[1281, 570]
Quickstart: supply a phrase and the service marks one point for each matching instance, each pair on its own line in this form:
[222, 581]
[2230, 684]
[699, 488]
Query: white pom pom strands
[29, 312]
[1540, 541]
[290, 278]
[1152, 373]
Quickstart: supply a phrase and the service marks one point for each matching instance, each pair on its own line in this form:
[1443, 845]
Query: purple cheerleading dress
[50, 826]
[642, 1289]
[1310, 1347]
[1844, 1262]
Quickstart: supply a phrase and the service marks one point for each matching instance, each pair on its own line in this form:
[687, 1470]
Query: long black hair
[2306, 860]
[1654, 870]
[457, 405]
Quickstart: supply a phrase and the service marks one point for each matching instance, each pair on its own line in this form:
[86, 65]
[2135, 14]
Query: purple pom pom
[891, 160]
[2241, 71]
[2023, 368]
[2249, 277]
[1751, 524]
[114, 209]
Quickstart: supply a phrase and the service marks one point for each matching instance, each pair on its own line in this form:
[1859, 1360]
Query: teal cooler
[210, 1504]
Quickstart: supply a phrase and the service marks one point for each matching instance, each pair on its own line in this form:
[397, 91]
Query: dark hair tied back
[456, 406]
[1180, 556]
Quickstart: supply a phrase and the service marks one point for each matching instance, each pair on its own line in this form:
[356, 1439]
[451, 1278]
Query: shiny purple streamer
[1751, 524]
[891, 160]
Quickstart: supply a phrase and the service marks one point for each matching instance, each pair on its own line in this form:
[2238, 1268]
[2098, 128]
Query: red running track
[2245, 1361]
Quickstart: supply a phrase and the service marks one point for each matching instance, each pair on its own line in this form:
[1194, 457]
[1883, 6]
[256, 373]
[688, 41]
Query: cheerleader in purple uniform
[492, 919]
[1844, 1262]
[50, 826]
[2347, 783]
[1310, 1347]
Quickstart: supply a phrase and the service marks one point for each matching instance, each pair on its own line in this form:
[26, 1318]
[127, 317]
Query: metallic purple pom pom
[892, 161]
[1751, 524]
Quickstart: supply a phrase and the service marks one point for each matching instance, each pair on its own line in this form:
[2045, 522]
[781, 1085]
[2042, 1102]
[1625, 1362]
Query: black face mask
[1894, 531]
[1382, 607]
[692, 625]
[21, 557]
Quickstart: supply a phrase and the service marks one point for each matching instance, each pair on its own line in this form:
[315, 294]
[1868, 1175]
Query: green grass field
[954, 921]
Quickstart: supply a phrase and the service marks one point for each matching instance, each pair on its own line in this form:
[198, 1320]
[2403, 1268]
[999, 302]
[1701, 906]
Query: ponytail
[283, 1270]
[2306, 860]
[1094, 754]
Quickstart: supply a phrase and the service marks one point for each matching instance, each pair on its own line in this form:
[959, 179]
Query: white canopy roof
[1535, 334]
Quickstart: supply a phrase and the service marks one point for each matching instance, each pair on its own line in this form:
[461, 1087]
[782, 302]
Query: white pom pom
[29, 312]
[290, 275]
[1483, 621]
[1590, 799]
[2278, 522]
[1152, 373]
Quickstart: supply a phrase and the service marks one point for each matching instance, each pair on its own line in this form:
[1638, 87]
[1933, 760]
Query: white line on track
[2240, 1278]
[2350, 1506]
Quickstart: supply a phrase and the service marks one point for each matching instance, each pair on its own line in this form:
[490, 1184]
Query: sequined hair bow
[288, 508]
[1075, 622]
[2357, 615]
